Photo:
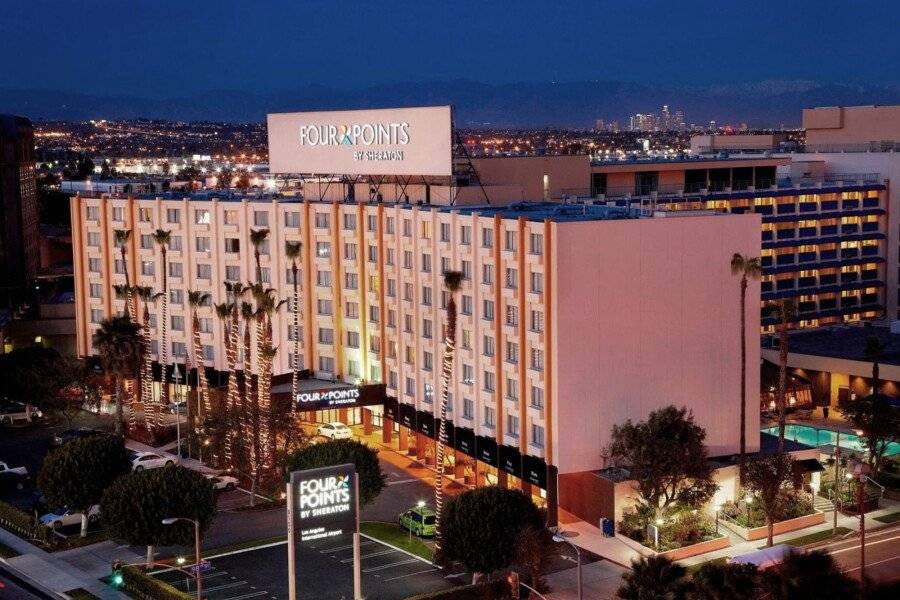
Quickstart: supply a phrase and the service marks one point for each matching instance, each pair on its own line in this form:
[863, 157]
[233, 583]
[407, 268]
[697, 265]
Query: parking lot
[325, 570]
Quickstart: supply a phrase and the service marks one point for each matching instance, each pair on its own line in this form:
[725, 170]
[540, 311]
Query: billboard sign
[340, 397]
[393, 141]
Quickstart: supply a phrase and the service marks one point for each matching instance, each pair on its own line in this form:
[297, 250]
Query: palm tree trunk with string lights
[162, 238]
[292, 252]
[747, 268]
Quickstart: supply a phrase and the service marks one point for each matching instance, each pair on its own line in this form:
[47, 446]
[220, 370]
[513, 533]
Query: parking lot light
[180, 560]
[420, 504]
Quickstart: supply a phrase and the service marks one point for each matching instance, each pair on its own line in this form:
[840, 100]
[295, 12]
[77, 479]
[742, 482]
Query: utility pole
[837, 481]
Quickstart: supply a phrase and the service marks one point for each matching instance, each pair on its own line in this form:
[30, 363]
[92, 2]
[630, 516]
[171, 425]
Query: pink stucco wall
[647, 314]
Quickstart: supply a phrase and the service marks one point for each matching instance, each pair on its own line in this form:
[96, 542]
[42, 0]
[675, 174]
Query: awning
[808, 465]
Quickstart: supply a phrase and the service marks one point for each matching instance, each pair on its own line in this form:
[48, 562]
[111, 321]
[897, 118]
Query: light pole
[560, 538]
[860, 471]
[197, 574]
[837, 480]
[717, 508]
[176, 378]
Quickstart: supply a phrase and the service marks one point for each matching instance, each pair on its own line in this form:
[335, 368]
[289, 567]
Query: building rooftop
[554, 211]
[683, 158]
[846, 342]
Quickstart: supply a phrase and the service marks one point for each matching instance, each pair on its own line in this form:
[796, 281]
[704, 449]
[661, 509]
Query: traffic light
[513, 580]
[116, 579]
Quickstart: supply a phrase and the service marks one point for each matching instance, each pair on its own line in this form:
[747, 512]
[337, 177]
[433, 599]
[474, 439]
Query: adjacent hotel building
[572, 318]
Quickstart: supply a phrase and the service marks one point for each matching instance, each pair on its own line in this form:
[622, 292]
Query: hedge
[24, 525]
[142, 586]
[491, 590]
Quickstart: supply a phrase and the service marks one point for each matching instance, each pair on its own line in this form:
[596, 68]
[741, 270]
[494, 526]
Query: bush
[24, 525]
[338, 452]
[144, 587]
[792, 506]
[685, 529]
[492, 590]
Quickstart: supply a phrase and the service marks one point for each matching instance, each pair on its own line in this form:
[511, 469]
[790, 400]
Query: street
[12, 587]
[882, 554]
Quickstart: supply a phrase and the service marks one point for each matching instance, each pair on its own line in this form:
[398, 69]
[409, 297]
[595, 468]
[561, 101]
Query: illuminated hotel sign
[327, 398]
[397, 141]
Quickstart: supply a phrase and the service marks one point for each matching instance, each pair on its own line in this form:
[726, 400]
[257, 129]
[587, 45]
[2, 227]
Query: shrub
[792, 505]
[684, 529]
[338, 452]
[21, 523]
[140, 585]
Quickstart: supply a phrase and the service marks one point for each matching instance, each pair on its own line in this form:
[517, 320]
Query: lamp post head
[420, 504]
[169, 521]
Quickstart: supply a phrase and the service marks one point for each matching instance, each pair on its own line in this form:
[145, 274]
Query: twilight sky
[164, 48]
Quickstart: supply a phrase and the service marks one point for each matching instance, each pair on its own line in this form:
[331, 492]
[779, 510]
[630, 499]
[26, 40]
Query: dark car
[64, 437]
[10, 480]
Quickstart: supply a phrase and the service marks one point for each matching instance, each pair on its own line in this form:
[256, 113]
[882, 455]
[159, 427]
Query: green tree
[293, 251]
[532, 553]
[133, 507]
[879, 421]
[162, 237]
[747, 268]
[807, 576]
[257, 238]
[77, 474]
[481, 527]
[119, 345]
[654, 578]
[724, 581]
[338, 452]
[768, 478]
[666, 457]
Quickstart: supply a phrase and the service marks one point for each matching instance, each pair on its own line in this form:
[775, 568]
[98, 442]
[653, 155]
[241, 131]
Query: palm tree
[162, 237]
[119, 347]
[195, 301]
[785, 311]
[654, 577]
[813, 574]
[874, 351]
[257, 237]
[724, 581]
[223, 311]
[452, 282]
[748, 268]
[122, 236]
[146, 294]
[124, 292]
[292, 251]
[248, 408]
[266, 306]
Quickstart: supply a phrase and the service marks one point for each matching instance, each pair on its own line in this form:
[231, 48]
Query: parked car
[12, 477]
[11, 412]
[335, 431]
[149, 460]
[64, 517]
[419, 521]
[179, 408]
[64, 437]
[222, 482]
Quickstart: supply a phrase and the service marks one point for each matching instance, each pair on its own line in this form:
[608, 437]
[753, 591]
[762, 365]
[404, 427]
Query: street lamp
[717, 508]
[860, 471]
[559, 537]
[197, 575]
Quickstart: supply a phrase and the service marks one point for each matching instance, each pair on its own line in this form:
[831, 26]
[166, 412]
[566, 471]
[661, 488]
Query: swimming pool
[812, 436]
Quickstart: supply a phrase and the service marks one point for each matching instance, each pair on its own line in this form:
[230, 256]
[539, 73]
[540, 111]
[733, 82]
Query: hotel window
[374, 314]
[487, 237]
[326, 364]
[512, 389]
[389, 225]
[466, 305]
[512, 425]
[204, 272]
[407, 259]
[537, 435]
[176, 296]
[537, 359]
[353, 368]
[323, 220]
[173, 215]
[295, 360]
[323, 249]
[389, 257]
[153, 323]
[465, 235]
[426, 296]
[145, 215]
[409, 355]
[206, 325]
[489, 417]
[375, 344]
[351, 310]
[444, 299]
[512, 278]
[487, 274]
[351, 281]
[202, 244]
[537, 321]
[349, 251]
[326, 335]
[146, 241]
[209, 354]
[96, 290]
[392, 380]
[468, 408]
[92, 213]
[261, 218]
[232, 245]
[371, 223]
[392, 350]
[466, 339]
[231, 217]
[407, 228]
[264, 247]
[426, 263]
[427, 361]
[323, 306]
[147, 267]
[489, 383]
[293, 333]
[179, 349]
[391, 289]
[175, 243]
[350, 222]
[93, 238]
[154, 346]
[353, 339]
[373, 254]
[510, 240]
[177, 323]
[407, 323]
[96, 315]
[537, 282]
[410, 387]
[427, 328]
[445, 264]
[487, 345]
[323, 278]
[264, 275]
[425, 230]
[292, 219]
[408, 292]
[445, 232]
[537, 397]
[201, 216]
[512, 315]
[512, 352]
[488, 310]
[119, 266]
[467, 269]
[232, 273]
[537, 243]
[118, 214]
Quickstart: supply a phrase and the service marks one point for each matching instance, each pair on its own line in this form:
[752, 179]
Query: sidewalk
[600, 580]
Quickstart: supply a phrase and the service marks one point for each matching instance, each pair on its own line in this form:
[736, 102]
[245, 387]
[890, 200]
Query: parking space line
[224, 586]
[250, 595]
[346, 547]
[409, 574]
[365, 556]
[389, 565]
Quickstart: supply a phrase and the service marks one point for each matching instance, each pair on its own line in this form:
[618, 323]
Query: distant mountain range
[566, 104]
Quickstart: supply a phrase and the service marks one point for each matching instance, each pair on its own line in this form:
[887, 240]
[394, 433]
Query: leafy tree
[119, 345]
[767, 477]
[747, 268]
[666, 458]
[654, 578]
[533, 552]
[480, 527]
[77, 474]
[35, 375]
[879, 422]
[133, 507]
[807, 576]
[338, 452]
[724, 581]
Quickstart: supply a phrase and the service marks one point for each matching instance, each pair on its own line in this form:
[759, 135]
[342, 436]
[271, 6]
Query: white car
[335, 431]
[64, 517]
[149, 460]
[222, 482]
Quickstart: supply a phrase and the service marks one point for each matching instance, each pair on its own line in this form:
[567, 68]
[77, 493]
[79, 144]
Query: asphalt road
[882, 554]
[14, 588]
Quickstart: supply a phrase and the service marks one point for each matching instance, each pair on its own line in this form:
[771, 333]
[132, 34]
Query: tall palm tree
[197, 299]
[223, 311]
[125, 292]
[747, 268]
[162, 237]
[146, 294]
[292, 251]
[785, 311]
[874, 351]
[257, 237]
[452, 283]
[266, 306]
[249, 408]
[122, 236]
[119, 346]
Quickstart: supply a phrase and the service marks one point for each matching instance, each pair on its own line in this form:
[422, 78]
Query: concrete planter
[679, 553]
[760, 533]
